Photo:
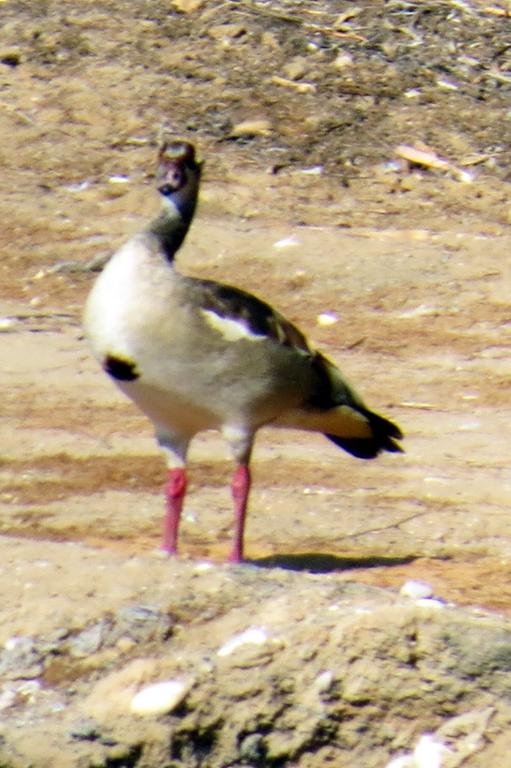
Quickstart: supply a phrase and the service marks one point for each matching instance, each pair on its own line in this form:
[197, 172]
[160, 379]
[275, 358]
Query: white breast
[118, 298]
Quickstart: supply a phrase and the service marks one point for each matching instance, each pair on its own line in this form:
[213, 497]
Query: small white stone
[447, 85]
[430, 752]
[343, 60]
[420, 311]
[287, 242]
[327, 318]
[465, 176]
[324, 681]
[119, 179]
[204, 566]
[7, 324]
[80, 187]
[12, 642]
[416, 589]
[160, 554]
[314, 170]
[160, 698]
[252, 636]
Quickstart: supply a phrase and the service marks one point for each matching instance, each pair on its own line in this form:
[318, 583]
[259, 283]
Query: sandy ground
[421, 327]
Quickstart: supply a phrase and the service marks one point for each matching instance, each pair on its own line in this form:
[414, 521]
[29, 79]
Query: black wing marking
[120, 369]
[235, 304]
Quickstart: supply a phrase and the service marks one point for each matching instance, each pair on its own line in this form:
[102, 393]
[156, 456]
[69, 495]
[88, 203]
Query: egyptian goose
[195, 354]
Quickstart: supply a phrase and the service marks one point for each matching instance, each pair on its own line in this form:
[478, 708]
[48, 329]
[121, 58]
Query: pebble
[7, 324]
[416, 589]
[11, 56]
[142, 623]
[324, 681]
[313, 170]
[188, 6]
[226, 33]
[204, 566]
[428, 753]
[252, 636]
[270, 40]
[287, 242]
[447, 84]
[88, 641]
[132, 624]
[296, 68]
[420, 311]
[80, 187]
[252, 748]
[300, 87]
[343, 60]
[248, 128]
[125, 644]
[117, 186]
[160, 698]
[327, 318]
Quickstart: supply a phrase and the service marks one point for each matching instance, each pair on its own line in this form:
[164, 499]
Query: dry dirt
[308, 207]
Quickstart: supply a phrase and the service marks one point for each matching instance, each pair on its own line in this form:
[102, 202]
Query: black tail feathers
[384, 434]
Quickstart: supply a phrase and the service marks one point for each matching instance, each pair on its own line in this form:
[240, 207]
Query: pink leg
[240, 488]
[175, 492]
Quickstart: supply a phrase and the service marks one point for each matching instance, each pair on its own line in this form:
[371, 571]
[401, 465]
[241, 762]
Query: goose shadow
[319, 562]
